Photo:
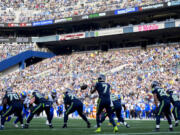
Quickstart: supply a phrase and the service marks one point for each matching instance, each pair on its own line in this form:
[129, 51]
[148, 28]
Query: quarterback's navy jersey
[103, 90]
[161, 93]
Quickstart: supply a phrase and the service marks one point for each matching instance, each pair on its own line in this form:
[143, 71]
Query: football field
[78, 127]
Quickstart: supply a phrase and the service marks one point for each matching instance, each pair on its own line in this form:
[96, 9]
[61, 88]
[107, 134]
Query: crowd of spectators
[15, 11]
[8, 50]
[129, 71]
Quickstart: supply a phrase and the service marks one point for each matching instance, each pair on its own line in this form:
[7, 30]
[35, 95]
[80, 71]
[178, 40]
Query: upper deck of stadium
[25, 11]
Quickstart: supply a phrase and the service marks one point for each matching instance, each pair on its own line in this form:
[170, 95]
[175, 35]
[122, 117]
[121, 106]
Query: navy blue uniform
[164, 106]
[104, 101]
[15, 107]
[117, 107]
[73, 104]
[41, 105]
[176, 103]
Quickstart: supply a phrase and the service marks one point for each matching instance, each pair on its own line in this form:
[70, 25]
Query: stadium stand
[130, 71]
[8, 50]
[20, 11]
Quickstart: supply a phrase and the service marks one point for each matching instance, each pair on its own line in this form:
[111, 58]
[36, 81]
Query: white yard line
[148, 133]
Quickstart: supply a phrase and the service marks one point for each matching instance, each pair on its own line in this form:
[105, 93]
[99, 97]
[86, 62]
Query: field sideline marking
[148, 133]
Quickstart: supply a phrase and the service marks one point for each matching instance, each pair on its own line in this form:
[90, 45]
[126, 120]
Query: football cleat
[127, 125]
[109, 124]
[98, 130]
[88, 125]
[170, 129]
[156, 130]
[115, 129]
[16, 125]
[51, 126]
[2, 128]
[64, 126]
[176, 124]
[26, 126]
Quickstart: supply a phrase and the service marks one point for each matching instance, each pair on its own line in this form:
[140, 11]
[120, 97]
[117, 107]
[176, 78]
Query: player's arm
[32, 100]
[155, 99]
[93, 89]
[4, 103]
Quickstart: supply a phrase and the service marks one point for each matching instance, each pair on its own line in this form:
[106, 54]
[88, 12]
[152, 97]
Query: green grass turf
[78, 127]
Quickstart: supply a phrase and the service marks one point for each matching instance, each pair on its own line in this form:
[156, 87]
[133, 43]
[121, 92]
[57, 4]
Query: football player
[52, 98]
[104, 101]
[11, 99]
[73, 104]
[117, 107]
[41, 105]
[161, 96]
[25, 101]
[176, 103]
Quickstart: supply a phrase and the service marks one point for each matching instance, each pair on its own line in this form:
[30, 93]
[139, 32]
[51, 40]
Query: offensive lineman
[74, 105]
[104, 101]
[117, 107]
[176, 103]
[164, 107]
[41, 105]
[15, 107]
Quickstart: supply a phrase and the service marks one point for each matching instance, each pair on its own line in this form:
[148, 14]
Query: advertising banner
[177, 23]
[2, 25]
[72, 36]
[40, 23]
[127, 10]
[174, 3]
[151, 6]
[148, 27]
[63, 20]
[114, 31]
[22, 40]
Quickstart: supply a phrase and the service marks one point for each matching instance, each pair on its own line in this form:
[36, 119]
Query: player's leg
[70, 110]
[17, 119]
[80, 112]
[176, 113]
[7, 113]
[119, 116]
[158, 115]
[110, 112]
[36, 110]
[49, 115]
[100, 107]
[19, 114]
[103, 116]
[167, 113]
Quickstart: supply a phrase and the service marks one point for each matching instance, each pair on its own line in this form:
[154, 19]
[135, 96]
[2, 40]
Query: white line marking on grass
[148, 133]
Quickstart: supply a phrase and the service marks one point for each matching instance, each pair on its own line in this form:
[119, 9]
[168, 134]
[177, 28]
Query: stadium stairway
[22, 57]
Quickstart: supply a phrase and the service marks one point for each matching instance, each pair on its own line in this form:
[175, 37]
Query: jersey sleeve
[154, 91]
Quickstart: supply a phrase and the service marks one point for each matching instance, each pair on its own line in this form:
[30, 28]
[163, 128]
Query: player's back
[115, 98]
[174, 99]
[12, 98]
[39, 98]
[69, 98]
[161, 93]
[103, 90]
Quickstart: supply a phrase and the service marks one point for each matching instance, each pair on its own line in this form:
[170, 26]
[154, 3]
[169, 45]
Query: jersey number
[13, 96]
[162, 92]
[71, 96]
[105, 86]
[175, 97]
